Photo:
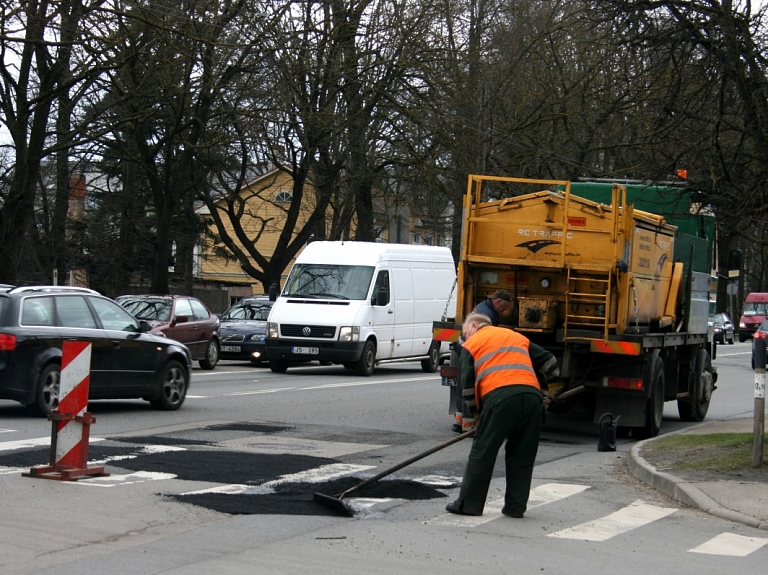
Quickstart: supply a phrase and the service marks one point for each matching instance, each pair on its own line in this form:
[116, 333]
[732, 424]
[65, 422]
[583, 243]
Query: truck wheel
[367, 362]
[278, 366]
[695, 406]
[431, 364]
[655, 404]
[173, 387]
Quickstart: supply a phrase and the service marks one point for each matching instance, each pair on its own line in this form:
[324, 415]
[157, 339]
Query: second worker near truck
[497, 371]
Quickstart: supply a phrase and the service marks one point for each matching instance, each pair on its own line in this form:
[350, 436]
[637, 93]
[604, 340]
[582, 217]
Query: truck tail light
[630, 383]
[449, 370]
[7, 342]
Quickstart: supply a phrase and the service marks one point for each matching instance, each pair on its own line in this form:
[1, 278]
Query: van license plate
[306, 350]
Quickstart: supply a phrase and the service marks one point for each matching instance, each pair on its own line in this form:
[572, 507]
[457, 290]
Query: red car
[179, 317]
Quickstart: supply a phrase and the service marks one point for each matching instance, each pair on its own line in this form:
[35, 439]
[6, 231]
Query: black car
[126, 360]
[243, 328]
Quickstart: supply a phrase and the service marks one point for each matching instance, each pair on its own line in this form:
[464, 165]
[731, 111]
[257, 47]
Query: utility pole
[759, 424]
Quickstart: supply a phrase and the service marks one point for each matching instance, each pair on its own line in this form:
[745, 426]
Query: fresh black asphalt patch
[233, 467]
[298, 498]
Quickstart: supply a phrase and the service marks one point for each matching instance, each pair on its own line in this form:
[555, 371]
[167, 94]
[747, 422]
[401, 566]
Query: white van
[360, 304]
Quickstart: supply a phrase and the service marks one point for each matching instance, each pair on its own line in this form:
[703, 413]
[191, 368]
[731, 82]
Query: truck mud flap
[631, 408]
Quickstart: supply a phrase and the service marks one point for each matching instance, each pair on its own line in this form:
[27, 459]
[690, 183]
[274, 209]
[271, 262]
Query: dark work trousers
[512, 413]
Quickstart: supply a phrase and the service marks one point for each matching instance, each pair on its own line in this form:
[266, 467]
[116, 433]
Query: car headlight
[349, 333]
[272, 329]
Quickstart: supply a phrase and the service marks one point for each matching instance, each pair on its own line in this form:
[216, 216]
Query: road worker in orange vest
[497, 371]
[493, 306]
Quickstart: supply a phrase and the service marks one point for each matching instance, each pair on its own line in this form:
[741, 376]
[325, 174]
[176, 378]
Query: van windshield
[328, 281]
[755, 308]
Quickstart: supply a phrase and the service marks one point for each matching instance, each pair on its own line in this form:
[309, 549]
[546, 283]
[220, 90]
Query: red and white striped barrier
[71, 422]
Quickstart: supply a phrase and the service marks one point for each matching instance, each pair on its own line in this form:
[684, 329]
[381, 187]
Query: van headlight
[349, 333]
[272, 329]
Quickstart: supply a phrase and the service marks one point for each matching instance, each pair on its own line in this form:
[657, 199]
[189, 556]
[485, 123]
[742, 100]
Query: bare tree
[37, 41]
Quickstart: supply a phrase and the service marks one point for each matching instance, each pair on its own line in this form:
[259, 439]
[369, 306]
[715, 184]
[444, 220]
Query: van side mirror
[380, 296]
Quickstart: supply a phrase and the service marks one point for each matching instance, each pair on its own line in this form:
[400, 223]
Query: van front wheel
[431, 364]
[367, 361]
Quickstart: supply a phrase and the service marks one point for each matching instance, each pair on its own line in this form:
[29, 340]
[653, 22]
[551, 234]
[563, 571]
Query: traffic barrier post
[70, 422]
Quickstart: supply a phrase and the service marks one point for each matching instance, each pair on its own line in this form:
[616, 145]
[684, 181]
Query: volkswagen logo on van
[307, 331]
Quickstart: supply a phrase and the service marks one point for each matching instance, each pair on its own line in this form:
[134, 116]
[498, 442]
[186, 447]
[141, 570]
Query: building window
[283, 196]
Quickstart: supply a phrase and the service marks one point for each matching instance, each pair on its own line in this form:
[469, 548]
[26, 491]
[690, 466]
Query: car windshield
[755, 308]
[329, 281]
[152, 309]
[248, 310]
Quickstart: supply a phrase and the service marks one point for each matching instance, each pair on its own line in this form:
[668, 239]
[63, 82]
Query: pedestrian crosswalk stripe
[550, 492]
[630, 517]
[541, 495]
[730, 544]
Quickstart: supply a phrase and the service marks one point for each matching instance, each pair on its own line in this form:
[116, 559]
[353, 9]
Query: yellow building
[263, 203]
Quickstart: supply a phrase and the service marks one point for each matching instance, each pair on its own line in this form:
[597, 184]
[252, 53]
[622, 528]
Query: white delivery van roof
[370, 253]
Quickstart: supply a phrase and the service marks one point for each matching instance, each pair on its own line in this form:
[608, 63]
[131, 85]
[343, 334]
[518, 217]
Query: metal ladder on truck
[588, 301]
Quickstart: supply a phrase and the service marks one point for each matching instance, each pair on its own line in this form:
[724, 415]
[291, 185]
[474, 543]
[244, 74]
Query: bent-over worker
[498, 377]
[493, 306]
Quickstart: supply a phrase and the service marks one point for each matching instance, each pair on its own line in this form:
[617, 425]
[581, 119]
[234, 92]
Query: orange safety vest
[500, 358]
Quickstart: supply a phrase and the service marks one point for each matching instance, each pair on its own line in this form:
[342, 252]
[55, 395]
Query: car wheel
[732, 340]
[431, 364]
[367, 362]
[173, 387]
[211, 355]
[47, 394]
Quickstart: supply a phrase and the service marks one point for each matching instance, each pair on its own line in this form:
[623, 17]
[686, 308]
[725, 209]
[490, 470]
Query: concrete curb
[683, 491]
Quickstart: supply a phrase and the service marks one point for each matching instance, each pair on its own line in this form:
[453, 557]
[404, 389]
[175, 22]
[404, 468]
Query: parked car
[126, 360]
[723, 330]
[183, 318]
[243, 328]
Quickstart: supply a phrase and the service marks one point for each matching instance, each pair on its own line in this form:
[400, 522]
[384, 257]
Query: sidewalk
[742, 501]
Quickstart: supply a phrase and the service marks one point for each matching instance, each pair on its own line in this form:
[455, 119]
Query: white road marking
[124, 479]
[34, 442]
[365, 382]
[551, 492]
[316, 475]
[730, 544]
[316, 387]
[7, 430]
[365, 502]
[631, 517]
[259, 392]
[439, 481]
[541, 495]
